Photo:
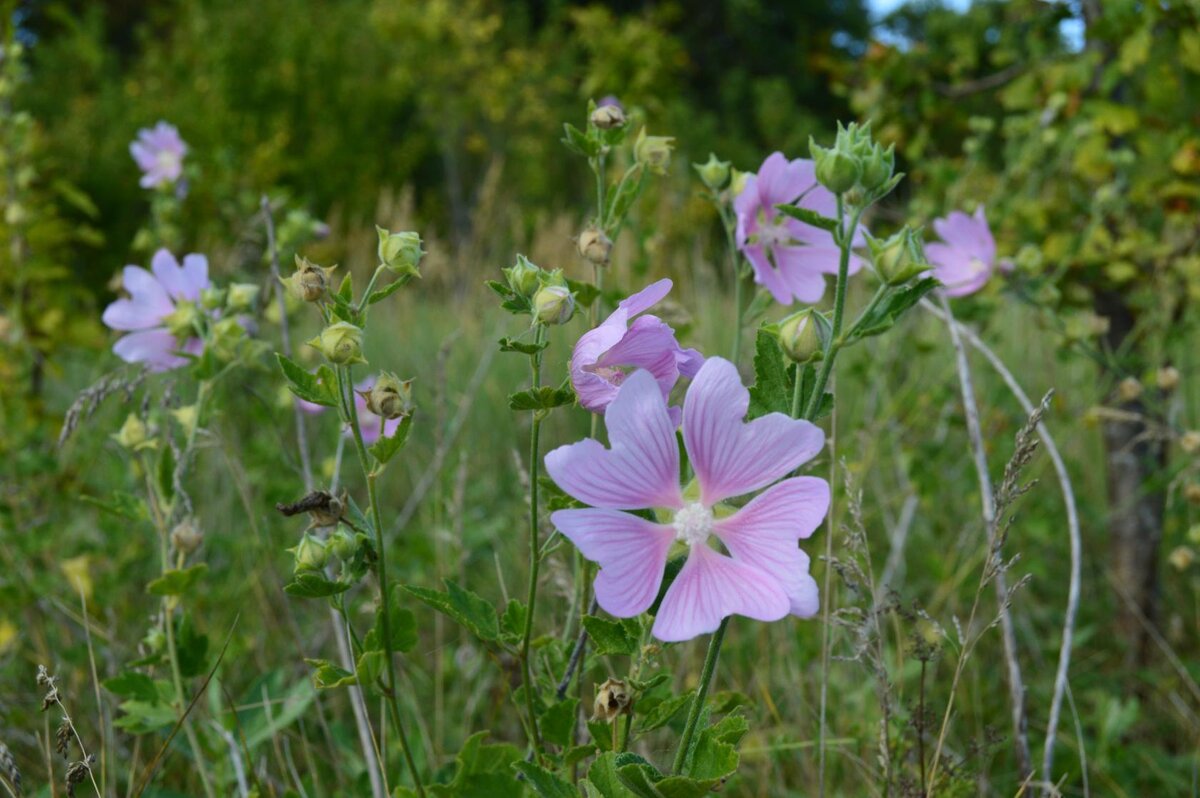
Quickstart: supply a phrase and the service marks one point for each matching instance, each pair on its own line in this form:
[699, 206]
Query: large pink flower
[764, 575]
[604, 356]
[967, 258]
[152, 298]
[790, 258]
[159, 153]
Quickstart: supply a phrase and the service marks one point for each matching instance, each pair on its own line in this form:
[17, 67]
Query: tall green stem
[728, 222]
[346, 386]
[535, 367]
[706, 675]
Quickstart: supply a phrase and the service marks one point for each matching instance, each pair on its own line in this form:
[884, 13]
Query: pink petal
[649, 344]
[959, 271]
[764, 533]
[730, 456]
[767, 275]
[156, 348]
[688, 362]
[128, 314]
[170, 274]
[631, 551]
[645, 299]
[802, 270]
[195, 276]
[642, 467]
[710, 587]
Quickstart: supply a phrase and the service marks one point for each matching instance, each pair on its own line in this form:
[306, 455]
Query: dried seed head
[187, 536]
[62, 739]
[1129, 389]
[323, 507]
[390, 397]
[612, 699]
[77, 772]
[594, 246]
[1190, 442]
[1167, 378]
[9, 769]
[1182, 557]
[309, 282]
[607, 117]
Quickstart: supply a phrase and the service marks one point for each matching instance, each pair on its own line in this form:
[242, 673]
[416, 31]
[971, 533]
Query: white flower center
[167, 160]
[693, 524]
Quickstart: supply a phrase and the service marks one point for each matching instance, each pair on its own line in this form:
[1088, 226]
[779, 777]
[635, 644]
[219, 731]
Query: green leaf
[142, 717]
[774, 378]
[465, 607]
[557, 722]
[544, 398]
[714, 757]
[345, 291]
[662, 713]
[621, 200]
[319, 388]
[286, 709]
[614, 637]
[545, 783]
[164, 474]
[585, 293]
[386, 447]
[513, 345]
[178, 581]
[512, 621]
[131, 684]
[191, 647]
[578, 142]
[313, 584]
[882, 316]
[120, 504]
[808, 216]
[369, 666]
[403, 626]
[327, 676]
[603, 779]
[387, 290]
[480, 771]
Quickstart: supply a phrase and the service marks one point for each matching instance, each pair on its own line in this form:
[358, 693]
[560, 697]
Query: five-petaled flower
[790, 258]
[159, 311]
[966, 256]
[603, 356]
[159, 153]
[764, 575]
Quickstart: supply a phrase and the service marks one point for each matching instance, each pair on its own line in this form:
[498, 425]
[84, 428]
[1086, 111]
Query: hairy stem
[706, 675]
[535, 367]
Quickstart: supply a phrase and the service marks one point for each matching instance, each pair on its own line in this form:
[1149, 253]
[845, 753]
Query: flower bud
[1129, 389]
[613, 698]
[1190, 442]
[155, 639]
[803, 336]
[836, 169]
[187, 417]
[594, 246]
[390, 397]
[653, 152]
[212, 298]
[227, 335]
[134, 434]
[1167, 378]
[400, 252]
[1181, 558]
[183, 319]
[310, 553]
[309, 282]
[242, 297]
[713, 173]
[895, 257]
[342, 543]
[553, 304]
[523, 277]
[877, 166]
[186, 537]
[608, 117]
[340, 343]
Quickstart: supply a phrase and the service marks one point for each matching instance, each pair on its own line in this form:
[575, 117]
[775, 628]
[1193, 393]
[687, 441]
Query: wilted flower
[966, 257]
[390, 397]
[151, 310]
[1181, 557]
[340, 343]
[159, 153]
[1190, 442]
[604, 356]
[310, 281]
[765, 575]
[608, 116]
[371, 425]
[790, 258]
[612, 700]
[1129, 389]
[594, 246]
[186, 537]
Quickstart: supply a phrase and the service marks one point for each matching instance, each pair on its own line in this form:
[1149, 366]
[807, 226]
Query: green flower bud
[242, 297]
[183, 320]
[877, 166]
[342, 543]
[134, 434]
[608, 117]
[553, 304]
[187, 416]
[309, 282]
[310, 553]
[837, 169]
[803, 336]
[594, 245]
[523, 277]
[737, 181]
[212, 298]
[390, 397]
[155, 640]
[400, 252]
[713, 173]
[340, 343]
[653, 152]
[226, 336]
[895, 258]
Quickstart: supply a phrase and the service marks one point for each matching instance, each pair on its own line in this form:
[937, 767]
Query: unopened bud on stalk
[803, 336]
[390, 397]
[340, 343]
[212, 298]
[309, 282]
[243, 297]
[613, 699]
[523, 277]
[400, 252]
[877, 166]
[1167, 378]
[134, 434]
[713, 173]
[183, 320]
[594, 246]
[310, 553]
[653, 152]
[553, 304]
[895, 257]
[186, 537]
[342, 543]
[836, 169]
[608, 117]
[187, 417]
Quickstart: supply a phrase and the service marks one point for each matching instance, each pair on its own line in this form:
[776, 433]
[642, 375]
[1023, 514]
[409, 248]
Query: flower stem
[535, 367]
[706, 675]
[346, 386]
[728, 222]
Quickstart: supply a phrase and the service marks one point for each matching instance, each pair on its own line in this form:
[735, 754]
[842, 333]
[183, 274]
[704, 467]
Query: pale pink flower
[152, 298]
[965, 261]
[764, 575]
[790, 258]
[605, 355]
[159, 153]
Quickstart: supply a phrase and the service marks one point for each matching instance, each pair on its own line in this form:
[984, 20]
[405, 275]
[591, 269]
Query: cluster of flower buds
[803, 336]
[389, 397]
[551, 299]
[714, 174]
[854, 161]
[400, 252]
[340, 343]
[309, 282]
[653, 152]
[313, 552]
[898, 258]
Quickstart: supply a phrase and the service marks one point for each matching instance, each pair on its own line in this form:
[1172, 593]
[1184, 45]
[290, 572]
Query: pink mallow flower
[966, 256]
[790, 258]
[153, 302]
[604, 356]
[159, 153]
[764, 575]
